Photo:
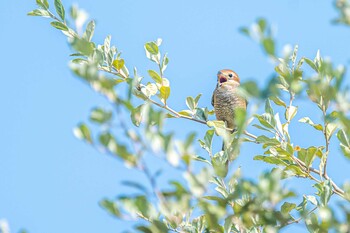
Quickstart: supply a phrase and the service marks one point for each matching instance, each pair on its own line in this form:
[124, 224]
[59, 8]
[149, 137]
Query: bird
[226, 98]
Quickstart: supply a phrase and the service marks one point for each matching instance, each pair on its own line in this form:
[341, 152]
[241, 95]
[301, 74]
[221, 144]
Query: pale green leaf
[137, 115]
[82, 132]
[89, 32]
[278, 101]
[39, 12]
[164, 93]
[220, 164]
[268, 108]
[60, 9]
[100, 115]
[287, 207]
[307, 120]
[343, 138]
[59, 26]
[190, 102]
[118, 64]
[155, 76]
[290, 113]
[152, 48]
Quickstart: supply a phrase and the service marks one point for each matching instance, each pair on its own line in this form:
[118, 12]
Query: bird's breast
[228, 98]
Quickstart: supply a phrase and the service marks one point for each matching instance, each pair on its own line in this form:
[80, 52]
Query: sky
[52, 182]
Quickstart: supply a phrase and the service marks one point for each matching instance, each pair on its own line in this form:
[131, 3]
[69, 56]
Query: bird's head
[228, 77]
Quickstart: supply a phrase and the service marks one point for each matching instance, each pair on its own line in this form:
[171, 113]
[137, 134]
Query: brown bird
[226, 98]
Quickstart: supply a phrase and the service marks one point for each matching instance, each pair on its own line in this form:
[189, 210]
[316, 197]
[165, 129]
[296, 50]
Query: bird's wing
[212, 97]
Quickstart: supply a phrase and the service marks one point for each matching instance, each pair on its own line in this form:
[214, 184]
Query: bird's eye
[230, 75]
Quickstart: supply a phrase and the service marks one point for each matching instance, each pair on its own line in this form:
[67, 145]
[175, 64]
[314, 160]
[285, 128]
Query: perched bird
[226, 98]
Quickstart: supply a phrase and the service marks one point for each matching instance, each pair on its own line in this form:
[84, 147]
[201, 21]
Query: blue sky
[50, 181]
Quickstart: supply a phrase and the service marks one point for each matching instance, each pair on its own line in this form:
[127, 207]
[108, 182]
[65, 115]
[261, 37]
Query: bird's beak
[221, 78]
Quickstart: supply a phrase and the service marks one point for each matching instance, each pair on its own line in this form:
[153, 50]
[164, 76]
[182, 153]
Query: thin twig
[327, 142]
[301, 218]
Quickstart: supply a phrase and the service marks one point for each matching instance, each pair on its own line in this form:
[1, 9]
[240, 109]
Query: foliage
[211, 198]
[343, 6]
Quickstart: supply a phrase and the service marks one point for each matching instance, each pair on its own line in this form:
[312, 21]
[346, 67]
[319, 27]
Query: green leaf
[164, 93]
[290, 113]
[318, 60]
[46, 3]
[100, 115]
[330, 130]
[155, 76]
[307, 120]
[267, 141]
[271, 160]
[262, 24]
[244, 31]
[214, 198]
[111, 207]
[278, 101]
[165, 62]
[158, 227]
[294, 55]
[144, 229]
[269, 46]
[268, 108]
[310, 63]
[190, 103]
[220, 128]
[107, 43]
[346, 189]
[152, 48]
[308, 155]
[279, 127]
[202, 113]
[261, 127]
[312, 199]
[266, 120]
[39, 12]
[228, 224]
[345, 150]
[43, 4]
[59, 26]
[312, 223]
[197, 99]
[135, 185]
[89, 32]
[220, 164]
[108, 141]
[137, 115]
[124, 71]
[325, 191]
[60, 9]
[118, 64]
[83, 46]
[208, 140]
[201, 159]
[197, 182]
[79, 61]
[138, 205]
[344, 143]
[295, 170]
[186, 113]
[82, 132]
[343, 138]
[287, 207]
